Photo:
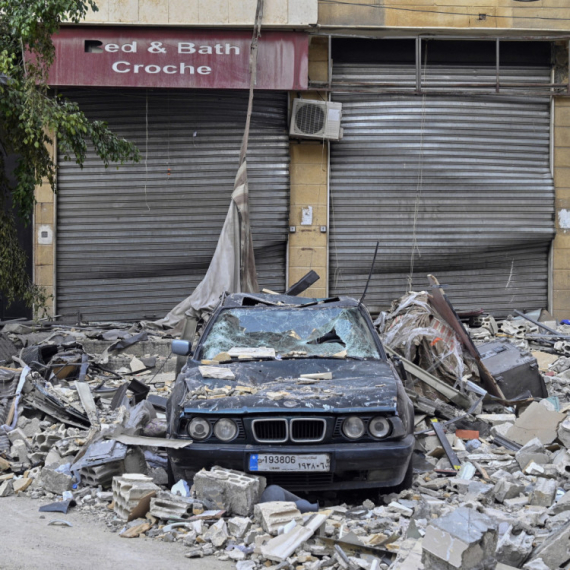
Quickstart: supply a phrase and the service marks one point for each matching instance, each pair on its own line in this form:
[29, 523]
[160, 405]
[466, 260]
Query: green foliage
[30, 116]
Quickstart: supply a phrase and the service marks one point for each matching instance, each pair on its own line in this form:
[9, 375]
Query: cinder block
[128, 490]
[228, 489]
[165, 506]
[276, 514]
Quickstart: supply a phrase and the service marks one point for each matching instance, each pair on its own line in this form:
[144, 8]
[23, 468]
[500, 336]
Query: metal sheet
[470, 174]
[133, 242]
[127, 56]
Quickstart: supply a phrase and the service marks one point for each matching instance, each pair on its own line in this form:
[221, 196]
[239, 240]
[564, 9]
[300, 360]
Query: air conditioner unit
[316, 120]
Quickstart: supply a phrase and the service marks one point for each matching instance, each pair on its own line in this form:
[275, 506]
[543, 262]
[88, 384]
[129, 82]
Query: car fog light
[353, 427]
[199, 428]
[225, 429]
[379, 427]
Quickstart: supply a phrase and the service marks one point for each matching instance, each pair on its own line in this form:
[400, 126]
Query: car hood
[276, 385]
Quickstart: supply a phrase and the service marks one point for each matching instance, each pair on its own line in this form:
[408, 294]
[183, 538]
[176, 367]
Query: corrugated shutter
[476, 167]
[133, 242]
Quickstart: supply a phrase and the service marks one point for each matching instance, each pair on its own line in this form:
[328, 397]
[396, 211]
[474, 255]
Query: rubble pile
[82, 415]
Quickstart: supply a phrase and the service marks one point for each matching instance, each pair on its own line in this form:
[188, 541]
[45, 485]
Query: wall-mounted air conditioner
[316, 120]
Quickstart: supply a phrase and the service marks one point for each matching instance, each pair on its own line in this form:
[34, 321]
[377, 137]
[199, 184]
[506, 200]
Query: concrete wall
[561, 255]
[203, 12]
[308, 246]
[475, 14]
[44, 253]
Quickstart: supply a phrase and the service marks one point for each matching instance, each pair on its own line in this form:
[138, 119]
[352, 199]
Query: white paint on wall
[564, 219]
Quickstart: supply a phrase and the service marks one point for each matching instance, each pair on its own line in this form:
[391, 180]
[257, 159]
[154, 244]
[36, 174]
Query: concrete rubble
[508, 508]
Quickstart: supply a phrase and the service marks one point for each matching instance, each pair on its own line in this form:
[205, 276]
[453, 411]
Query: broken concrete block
[502, 429]
[544, 492]
[128, 490]
[537, 564]
[563, 504]
[532, 451]
[533, 469]
[536, 421]
[217, 534]
[514, 549]
[17, 435]
[497, 419]
[216, 372]
[561, 462]
[22, 484]
[231, 490]
[276, 514]
[29, 426]
[506, 489]
[19, 450]
[555, 550]
[7, 488]
[564, 432]
[136, 365]
[166, 506]
[282, 546]
[238, 526]
[54, 481]
[464, 538]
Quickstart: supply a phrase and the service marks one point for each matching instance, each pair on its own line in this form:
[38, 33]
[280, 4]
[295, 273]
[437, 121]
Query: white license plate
[285, 462]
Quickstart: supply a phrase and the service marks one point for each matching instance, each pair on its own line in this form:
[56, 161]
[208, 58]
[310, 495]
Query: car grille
[308, 430]
[270, 431]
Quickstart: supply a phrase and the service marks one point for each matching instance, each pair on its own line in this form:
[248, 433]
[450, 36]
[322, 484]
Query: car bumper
[353, 465]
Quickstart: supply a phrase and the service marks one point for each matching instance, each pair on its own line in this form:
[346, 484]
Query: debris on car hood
[283, 384]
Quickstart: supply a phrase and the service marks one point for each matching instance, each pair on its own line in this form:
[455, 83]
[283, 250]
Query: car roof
[277, 300]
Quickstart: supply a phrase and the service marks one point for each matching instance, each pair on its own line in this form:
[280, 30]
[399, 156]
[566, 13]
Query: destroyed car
[298, 390]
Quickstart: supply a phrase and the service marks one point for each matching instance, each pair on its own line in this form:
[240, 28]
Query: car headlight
[199, 428]
[225, 429]
[379, 427]
[353, 427]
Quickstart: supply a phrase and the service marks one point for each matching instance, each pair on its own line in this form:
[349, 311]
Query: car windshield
[291, 332]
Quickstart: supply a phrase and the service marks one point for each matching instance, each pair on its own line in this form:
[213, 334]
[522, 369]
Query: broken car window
[292, 332]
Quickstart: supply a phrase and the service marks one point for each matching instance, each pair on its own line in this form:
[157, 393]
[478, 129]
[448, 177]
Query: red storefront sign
[177, 58]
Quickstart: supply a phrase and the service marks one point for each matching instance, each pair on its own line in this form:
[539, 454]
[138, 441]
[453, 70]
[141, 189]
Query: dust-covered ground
[28, 543]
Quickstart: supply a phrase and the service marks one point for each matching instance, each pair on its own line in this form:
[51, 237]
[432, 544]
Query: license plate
[283, 462]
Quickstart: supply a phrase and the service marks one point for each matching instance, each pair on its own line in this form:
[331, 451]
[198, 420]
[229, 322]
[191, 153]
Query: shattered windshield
[332, 331]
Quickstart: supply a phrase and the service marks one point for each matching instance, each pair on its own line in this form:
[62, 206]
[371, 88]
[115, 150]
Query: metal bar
[452, 394]
[451, 455]
[539, 324]
[519, 38]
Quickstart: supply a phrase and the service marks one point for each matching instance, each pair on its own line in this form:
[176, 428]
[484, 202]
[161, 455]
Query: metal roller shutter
[476, 167]
[133, 242]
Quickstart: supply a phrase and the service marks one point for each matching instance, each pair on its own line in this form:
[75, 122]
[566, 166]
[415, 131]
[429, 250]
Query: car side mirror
[181, 347]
